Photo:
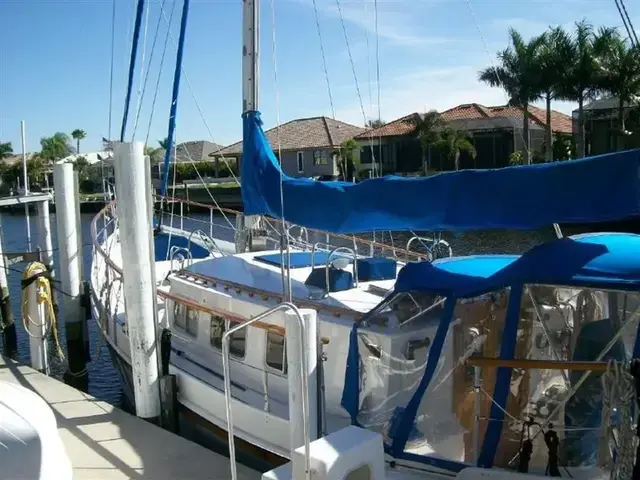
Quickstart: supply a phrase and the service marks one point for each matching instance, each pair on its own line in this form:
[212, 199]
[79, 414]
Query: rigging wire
[353, 67]
[148, 71]
[324, 60]
[113, 42]
[285, 246]
[525, 143]
[632, 34]
[144, 51]
[493, 66]
[355, 77]
[132, 66]
[375, 10]
[624, 22]
[164, 51]
[174, 96]
[195, 100]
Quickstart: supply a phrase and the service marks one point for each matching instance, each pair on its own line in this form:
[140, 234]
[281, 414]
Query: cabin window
[185, 318]
[237, 343]
[192, 322]
[276, 355]
[300, 158]
[180, 315]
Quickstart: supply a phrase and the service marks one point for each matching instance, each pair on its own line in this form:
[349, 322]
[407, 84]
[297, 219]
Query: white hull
[259, 405]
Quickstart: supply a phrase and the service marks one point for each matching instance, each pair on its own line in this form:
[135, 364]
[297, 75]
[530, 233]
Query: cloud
[393, 25]
[439, 89]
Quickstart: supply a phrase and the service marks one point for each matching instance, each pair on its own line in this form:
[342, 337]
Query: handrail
[94, 237]
[175, 250]
[304, 380]
[486, 362]
[303, 230]
[327, 287]
[206, 240]
[222, 313]
[422, 240]
[362, 241]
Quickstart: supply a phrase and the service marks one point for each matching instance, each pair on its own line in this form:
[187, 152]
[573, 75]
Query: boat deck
[106, 443]
[248, 270]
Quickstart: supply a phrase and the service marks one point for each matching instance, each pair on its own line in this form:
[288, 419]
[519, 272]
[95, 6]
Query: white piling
[294, 366]
[26, 181]
[66, 198]
[139, 288]
[44, 235]
[36, 321]
[7, 326]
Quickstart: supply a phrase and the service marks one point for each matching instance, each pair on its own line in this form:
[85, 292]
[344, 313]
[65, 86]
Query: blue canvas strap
[503, 380]
[409, 414]
[351, 391]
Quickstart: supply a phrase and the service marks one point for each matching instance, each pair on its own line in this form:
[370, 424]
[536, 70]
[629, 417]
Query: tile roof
[304, 133]
[16, 158]
[198, 151]
[471, 111]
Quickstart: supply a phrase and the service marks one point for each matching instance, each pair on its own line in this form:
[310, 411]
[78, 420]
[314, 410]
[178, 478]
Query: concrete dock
[105, 443]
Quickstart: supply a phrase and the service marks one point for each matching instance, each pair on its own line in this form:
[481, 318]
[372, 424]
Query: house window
[185, 318]
[219, 325]
[320, 157]
[300, 162]
[276, 353]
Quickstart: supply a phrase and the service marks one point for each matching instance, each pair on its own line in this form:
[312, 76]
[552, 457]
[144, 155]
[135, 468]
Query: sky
[55, 61]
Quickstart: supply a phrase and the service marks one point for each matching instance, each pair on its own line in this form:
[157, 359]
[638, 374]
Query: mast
[250, 54]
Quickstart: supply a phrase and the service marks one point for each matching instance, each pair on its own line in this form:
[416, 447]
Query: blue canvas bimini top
[602, 260]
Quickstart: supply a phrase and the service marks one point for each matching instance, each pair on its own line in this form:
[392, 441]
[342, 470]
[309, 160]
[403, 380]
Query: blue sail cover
[596, 189]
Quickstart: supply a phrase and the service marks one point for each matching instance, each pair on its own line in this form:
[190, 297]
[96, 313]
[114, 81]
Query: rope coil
[36, 273]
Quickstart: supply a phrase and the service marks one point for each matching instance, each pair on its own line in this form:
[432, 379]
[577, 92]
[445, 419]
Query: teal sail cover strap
[595, 189]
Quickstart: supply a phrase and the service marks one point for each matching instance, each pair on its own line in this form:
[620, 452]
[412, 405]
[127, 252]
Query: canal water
[104, 383]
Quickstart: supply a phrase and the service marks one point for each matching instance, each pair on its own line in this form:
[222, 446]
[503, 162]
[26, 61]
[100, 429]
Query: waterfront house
[603, 133]
[496, 132]
[307, 146]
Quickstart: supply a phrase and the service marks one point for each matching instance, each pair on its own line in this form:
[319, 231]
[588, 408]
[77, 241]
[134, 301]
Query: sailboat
[491, 364]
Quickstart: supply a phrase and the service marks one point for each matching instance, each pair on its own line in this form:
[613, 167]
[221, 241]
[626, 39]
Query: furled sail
[595, 189]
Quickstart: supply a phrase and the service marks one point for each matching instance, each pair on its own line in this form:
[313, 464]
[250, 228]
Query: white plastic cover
[30, 446]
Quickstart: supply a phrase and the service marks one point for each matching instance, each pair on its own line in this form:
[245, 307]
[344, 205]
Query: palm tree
[6, 150]
[78, 135]
[81, 165]
[348, 162]
[452, 142]
[620, 76]
[519, 74]
[427, 127]
[55, 148]
[164, 143]
[555, 52]
[582, 76]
